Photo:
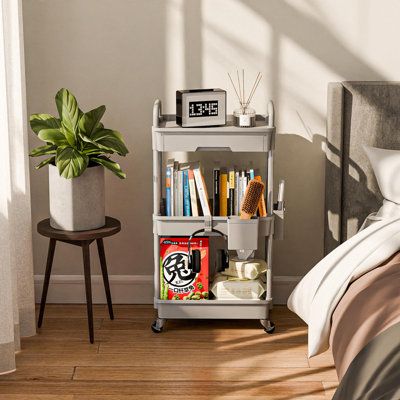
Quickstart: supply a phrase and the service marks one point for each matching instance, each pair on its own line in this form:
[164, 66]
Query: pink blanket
[370, 305]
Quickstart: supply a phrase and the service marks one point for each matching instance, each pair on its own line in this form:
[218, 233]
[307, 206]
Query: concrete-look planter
[77, 204]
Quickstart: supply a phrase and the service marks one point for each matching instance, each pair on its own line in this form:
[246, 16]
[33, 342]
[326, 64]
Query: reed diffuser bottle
[244, 116]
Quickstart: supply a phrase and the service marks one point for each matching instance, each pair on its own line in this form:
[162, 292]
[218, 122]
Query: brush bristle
[252, 197]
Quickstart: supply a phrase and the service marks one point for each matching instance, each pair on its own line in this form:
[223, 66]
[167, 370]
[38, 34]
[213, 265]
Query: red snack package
[177, 281]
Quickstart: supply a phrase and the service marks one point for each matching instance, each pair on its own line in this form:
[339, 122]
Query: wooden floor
[199, 360]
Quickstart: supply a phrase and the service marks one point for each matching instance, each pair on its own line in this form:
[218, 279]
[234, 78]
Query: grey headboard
[358, 113]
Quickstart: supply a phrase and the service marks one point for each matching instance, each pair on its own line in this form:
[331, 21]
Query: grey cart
[167, 136]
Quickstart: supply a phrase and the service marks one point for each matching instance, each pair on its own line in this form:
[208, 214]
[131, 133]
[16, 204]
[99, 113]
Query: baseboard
[282, 286]
[125, 289]
[128, 289]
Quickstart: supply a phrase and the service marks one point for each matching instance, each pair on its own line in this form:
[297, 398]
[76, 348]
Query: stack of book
[186, 191]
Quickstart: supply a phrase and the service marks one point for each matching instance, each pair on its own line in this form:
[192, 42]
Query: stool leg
[103, 263]
[49, 264]
[88, 286]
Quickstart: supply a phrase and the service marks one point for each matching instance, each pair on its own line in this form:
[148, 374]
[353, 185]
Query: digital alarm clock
[200, 107]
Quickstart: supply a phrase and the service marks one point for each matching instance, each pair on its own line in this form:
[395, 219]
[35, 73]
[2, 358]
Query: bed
[351, 299]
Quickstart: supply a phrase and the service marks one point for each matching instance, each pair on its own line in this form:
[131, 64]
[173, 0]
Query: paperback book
[187, 195]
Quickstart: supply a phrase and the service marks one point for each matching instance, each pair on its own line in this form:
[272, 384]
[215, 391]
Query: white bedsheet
[315, 297]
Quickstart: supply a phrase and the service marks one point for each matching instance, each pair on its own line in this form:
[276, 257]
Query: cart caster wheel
[158, 325]
[270, 329]
[155, 328]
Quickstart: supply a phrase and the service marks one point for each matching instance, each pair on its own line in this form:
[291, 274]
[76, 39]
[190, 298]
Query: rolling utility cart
[167, 136]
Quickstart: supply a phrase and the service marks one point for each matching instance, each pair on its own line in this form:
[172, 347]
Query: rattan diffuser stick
[240, 89]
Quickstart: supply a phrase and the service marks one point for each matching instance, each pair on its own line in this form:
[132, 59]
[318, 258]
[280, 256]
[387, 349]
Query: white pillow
[386, 167]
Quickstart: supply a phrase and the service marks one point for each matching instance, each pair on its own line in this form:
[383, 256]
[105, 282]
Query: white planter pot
[77, 204]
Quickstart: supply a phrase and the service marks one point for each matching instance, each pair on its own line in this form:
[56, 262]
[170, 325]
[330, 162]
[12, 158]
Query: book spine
[242, 188]
[240, 184]
[202, 190]
[168, 191]
[251, 173]
[236, 202]
[172, 191]
[180, 193]
[186, 194]
[244, 183]
[216, 179]
[231, 192]
[227, 194]
[223, 197]
[176, 189]
[193, 197]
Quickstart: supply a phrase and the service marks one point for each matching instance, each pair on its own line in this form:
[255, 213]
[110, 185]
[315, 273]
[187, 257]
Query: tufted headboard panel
[358, 113]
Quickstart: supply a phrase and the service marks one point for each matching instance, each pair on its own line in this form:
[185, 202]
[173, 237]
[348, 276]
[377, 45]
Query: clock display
[203, 109]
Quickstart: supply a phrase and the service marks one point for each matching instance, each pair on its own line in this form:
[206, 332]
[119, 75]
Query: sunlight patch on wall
[175, 60]
[302, 100]
[333, 219]
[235, 37]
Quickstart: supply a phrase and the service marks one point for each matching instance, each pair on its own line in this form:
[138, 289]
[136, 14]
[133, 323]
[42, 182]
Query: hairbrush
[262, 209]
[251, 199]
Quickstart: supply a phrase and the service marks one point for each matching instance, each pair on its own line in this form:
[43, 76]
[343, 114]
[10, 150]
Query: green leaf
[114, 167]
[109, 140]
[68, 110]
[93, 149]
[43, 150]
[90, 120]
[70, 162]
[45, 162]
[43, 121]
[70, 136]
[54, 136]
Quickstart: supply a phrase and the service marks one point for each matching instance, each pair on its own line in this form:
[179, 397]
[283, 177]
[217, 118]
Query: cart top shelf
[168, 136]
[167, 125]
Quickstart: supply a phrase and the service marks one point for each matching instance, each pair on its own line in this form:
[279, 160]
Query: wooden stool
[82, 239]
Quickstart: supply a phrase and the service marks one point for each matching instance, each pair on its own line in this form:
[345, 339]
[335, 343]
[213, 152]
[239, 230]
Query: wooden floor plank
[322, 360]
[99, 311]
[37, 397]
[66, 324]
[60, 348]
[272, 390]
[193, 345]
[75, 311]
[207, 374]
[330, 388]
[54, 373]
[164, 359]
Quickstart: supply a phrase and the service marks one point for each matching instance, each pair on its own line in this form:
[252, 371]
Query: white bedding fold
[315, 297]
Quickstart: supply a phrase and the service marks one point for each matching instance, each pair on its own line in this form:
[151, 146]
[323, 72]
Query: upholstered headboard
[358, 113]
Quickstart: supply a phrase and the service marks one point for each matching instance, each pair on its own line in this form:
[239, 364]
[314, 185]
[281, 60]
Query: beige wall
[125, 53]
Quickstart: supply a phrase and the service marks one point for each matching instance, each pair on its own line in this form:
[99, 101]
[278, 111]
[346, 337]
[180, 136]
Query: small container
[244, 118]
[242, 233]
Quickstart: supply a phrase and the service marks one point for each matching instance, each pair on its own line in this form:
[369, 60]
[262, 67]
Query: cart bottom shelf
[213, 309]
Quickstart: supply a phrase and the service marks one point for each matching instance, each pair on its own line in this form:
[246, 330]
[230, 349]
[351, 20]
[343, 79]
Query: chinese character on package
[177, 281]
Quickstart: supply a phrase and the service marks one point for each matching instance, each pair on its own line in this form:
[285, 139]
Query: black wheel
[156, 328]
[270, 329]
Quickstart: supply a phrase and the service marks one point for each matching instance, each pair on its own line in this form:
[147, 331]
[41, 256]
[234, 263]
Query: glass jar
[244, 117]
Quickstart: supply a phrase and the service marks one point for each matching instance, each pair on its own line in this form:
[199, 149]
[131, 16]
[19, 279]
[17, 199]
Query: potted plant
[78, 146]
